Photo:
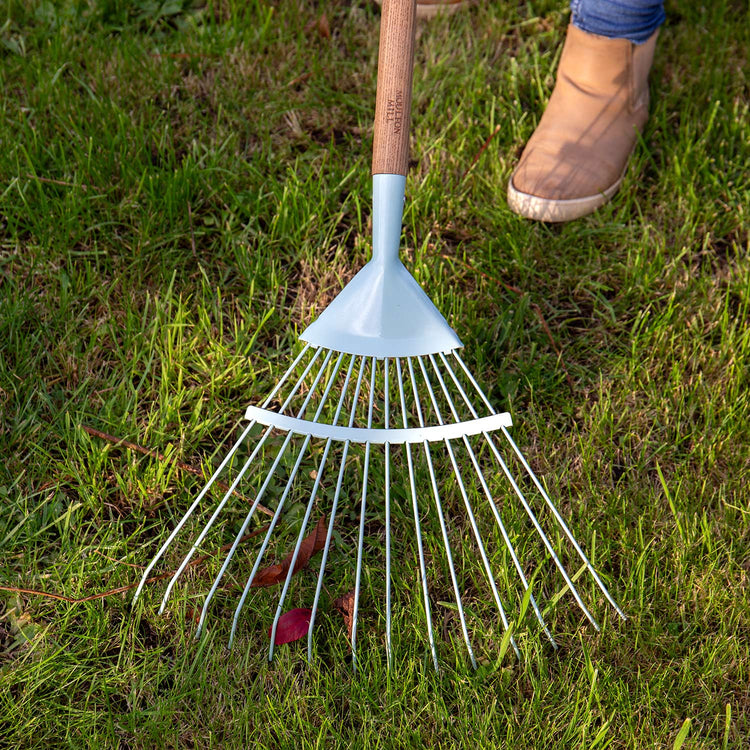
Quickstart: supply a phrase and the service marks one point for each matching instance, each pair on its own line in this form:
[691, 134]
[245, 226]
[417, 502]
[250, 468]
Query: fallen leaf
[345, 605]
[321, 26]
[292, 626]
[269, 576]
[312, 543]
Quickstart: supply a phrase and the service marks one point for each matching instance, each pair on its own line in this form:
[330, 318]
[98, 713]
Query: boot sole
[555, 211]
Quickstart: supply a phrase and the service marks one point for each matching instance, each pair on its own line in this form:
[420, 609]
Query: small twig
[119, 562]
[139, 449]
[122, 589]
[480, 152]
[299, 79]
[52, 181]
[537, 310]
[161, 457]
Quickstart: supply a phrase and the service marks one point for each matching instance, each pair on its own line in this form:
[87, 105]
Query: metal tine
[565, 528]
[286, 374]
[468, 374]
[568, 533]
[387, 449]
[465, 496]
[365, 479]
[493, 505]
[336, 496]
[415, 507]
[258, 497]
[308, 512]
[264, 486]
[223, 465]
[285, 494]
[522, 498]
[237, 480]
[199, 540]
[443, 528]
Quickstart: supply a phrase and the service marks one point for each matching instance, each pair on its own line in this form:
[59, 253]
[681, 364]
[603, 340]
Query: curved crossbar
[378, 436]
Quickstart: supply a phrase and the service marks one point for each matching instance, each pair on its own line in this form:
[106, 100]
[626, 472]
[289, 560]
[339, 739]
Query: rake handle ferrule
[393, 100]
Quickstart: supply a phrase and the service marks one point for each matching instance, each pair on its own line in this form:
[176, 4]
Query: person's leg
[576, 158]
[634, 20]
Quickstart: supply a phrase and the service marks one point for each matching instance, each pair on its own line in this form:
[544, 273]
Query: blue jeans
[634, 20]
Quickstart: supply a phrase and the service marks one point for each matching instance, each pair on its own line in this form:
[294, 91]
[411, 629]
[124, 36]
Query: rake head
[410, 444]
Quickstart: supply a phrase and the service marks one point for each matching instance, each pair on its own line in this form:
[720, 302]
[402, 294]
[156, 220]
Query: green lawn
[184, 187]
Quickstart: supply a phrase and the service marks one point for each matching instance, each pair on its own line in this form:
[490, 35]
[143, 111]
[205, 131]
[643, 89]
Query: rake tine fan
[401, 436]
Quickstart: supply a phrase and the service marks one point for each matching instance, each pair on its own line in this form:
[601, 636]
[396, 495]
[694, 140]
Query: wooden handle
[390, 150]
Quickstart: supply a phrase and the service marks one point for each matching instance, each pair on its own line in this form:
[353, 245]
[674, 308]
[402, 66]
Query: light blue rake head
[382, 311]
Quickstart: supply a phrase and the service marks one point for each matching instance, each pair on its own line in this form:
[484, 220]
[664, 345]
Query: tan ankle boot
[576, 158]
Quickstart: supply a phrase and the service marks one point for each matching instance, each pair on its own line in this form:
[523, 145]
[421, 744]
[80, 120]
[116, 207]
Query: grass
[184, 188]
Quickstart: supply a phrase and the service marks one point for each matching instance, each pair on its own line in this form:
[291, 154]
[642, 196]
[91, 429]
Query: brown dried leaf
[269, 576]
[345, 605]
[321, 26]
[311, 544]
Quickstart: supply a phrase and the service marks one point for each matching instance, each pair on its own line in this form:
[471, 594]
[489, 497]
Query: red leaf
[312, 543]
[292, 626]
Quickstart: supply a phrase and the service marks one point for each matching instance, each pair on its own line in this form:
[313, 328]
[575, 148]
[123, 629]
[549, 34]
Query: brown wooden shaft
[390, 150]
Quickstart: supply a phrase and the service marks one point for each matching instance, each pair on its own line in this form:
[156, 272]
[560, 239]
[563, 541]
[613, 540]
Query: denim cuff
[634, 20]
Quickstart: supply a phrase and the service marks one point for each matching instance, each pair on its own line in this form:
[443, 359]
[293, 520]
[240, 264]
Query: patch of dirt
[721, 252]
[321, 127]
[317, 283]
